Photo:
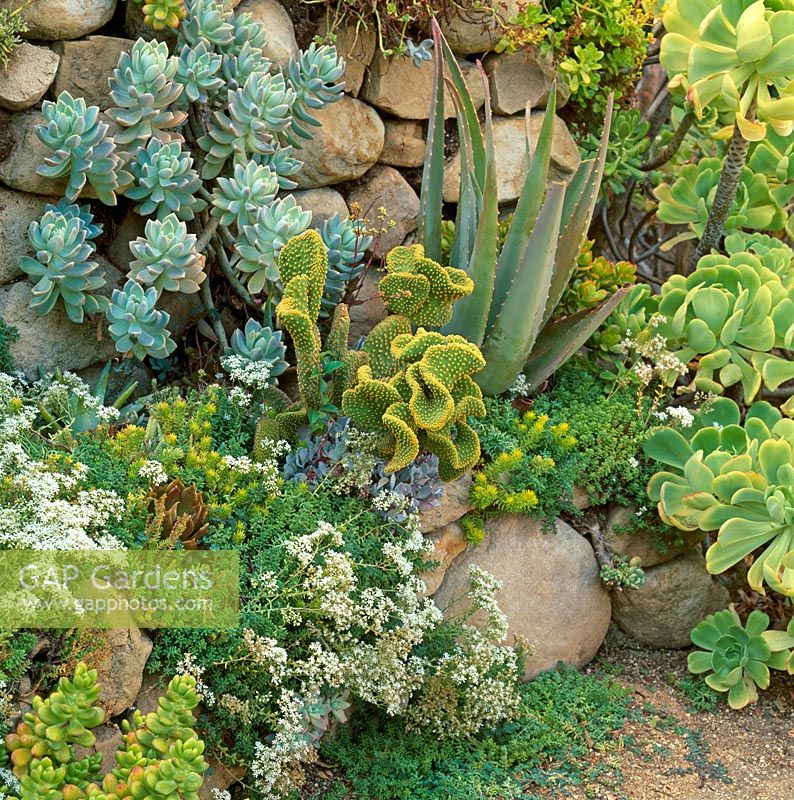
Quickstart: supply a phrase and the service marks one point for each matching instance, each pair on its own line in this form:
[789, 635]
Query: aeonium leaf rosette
[736, 56]
[737, 657]
[754, 509]
[726, 319]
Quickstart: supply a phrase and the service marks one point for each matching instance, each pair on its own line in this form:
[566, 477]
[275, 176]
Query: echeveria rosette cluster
[726, 318]
[736, 56]
[420, 289]
[237, 200]
[259, 245]
[207, 21]
[144, 89]
[165, 181]
[197, 72]
[689, 198]
[314, 75]
[162, 14]
[347, 244]
[166, 257]
[737, 657]
[81, 149]
[257, 343]
[136, 325]
[62, 267]
[694, 456]
[257, 112]
[426, 401]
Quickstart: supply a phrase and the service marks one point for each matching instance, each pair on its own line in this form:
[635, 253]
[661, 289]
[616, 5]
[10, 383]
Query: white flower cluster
[10, 780]
[60, 394]
[16, 418]
[677, 414]
[520, 388]
[251, 374]
[42, 508]
[653, 359]
[188, 665]
[267, 469]
[266, 652]
[274, 763]
[153, 472]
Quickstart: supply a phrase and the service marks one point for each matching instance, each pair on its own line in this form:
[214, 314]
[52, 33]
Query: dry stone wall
[368, 151]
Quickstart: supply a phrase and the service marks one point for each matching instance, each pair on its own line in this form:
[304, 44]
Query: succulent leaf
[237, 200]
[136, 325]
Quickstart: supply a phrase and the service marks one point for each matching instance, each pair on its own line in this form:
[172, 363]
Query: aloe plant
[516, 291]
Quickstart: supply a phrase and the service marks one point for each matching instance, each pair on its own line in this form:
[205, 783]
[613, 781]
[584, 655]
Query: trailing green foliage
[599, 47]
[516, 291]
[562, 717]
[738, 657]
[12, 25]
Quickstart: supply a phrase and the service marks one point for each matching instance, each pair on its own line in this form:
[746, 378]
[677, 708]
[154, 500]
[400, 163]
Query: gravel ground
[672, 750]
[729, 755]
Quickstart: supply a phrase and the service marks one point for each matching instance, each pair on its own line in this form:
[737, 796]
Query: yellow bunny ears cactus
[420, 289]
[736, 57]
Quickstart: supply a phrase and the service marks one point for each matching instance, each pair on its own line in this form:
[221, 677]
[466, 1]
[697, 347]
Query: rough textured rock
[581, 499]
[281, 44]
[404, 143]
[152, 687]
[357, 47]
[449, 542]
[219, 777]
[346, 145]
[551, 593]
[323, 203]
[453, 505]
[385, 187]
[471, 31]
[120, 664]
[395, 85]
[63, 19]
[369, 308]
[674, 598]
[642, 544]
[108, 739]
[17, 211]
[53, 341]
[516, 79]
[22, 154]
[86, 66]
[30, 72]
[509, 135]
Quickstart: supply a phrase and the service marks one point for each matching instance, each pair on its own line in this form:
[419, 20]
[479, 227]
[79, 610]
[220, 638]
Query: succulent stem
[726, 194]
[671, 148]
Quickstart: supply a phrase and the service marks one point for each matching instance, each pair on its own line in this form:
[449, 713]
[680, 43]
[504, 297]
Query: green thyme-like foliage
[529, 465]
[8, 335]
[136, 325]
[15, 649]
[61, 267]
[143, 88]
[165, 181]
[565, 712]
[12, 25]
[166, 257]
[609, 425]
[81, 149]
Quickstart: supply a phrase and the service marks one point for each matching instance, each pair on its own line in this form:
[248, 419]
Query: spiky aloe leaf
[518, 324]
[580, 199]
[430, 201]
[527, 208]
[470, 315]
[560, 340]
